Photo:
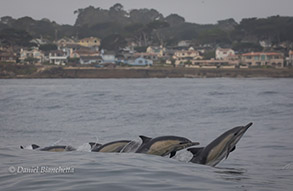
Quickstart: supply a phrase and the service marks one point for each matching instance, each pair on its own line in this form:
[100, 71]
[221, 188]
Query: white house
[58, 57]
[224, 53]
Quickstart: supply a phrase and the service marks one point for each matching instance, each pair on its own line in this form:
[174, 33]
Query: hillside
[116, 27]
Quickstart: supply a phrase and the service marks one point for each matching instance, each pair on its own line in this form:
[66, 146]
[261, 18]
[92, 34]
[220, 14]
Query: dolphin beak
[194, 143]
[248, 125]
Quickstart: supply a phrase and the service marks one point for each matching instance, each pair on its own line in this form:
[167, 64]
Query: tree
[113, 42]
[48, 47]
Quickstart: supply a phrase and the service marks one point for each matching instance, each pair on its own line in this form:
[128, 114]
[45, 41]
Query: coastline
[29, 72]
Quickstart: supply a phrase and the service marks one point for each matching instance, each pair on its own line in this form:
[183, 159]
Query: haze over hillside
[118, 27]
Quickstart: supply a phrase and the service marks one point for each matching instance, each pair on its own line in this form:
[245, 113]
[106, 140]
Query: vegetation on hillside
[145, 27]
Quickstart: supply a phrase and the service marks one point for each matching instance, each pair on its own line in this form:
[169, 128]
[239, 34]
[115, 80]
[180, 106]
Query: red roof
[262, 53]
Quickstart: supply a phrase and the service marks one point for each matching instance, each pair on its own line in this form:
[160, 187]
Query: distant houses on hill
[87, 51]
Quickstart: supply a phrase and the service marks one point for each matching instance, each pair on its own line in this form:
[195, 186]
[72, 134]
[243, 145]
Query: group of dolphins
[211, 154]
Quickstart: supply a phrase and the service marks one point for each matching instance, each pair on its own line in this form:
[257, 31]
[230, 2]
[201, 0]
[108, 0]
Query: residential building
[7, 56]
[290, 59]
[38, 41]
[91, 60]
[224, 53]
[189, 54]
[265, 43]
[108, 56]
[140, 62]
[150, 56]
[257, 59]
[33, 56]
[184, 43]
[210, 64]
[90, 42]
[58, 57]
[65, 42]
[158, 50]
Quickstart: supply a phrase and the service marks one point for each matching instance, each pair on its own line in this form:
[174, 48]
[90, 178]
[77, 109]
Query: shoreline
[39, 72]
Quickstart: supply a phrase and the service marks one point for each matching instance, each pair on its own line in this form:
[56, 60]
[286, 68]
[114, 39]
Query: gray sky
[196, 11]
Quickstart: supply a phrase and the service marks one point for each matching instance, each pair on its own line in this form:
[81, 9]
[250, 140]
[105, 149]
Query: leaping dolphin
[220, 148]
[56, 148]
[164, 145]
[115, 146]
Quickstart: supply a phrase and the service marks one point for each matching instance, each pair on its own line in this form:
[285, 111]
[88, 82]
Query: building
[32, 56]
[150, 56]
[140, 62]
[258, 59]
[58, 57]
[158, 50]
[189, 54]
[210, 64]
[290, 59]
[91, 60]
[224, 53]
[90, 42]
[8, 56]
[65, 42]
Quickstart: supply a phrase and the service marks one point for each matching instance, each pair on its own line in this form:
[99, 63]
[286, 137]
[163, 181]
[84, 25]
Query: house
[58, 57]
[186, 56]
[91, 60]
[8, 56]
[224, 53]
[210, 64]
[90, 42]
[184, 43]
[265, 43]
[65, 42]
[158, 50]
[38, 41]
[108, 56]
[140, 62]
[257, 59]
[33, 56]
[150, 56]
[189, 54]
[290, 59]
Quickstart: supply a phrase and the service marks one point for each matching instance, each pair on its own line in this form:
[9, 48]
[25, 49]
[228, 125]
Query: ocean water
[76, 111]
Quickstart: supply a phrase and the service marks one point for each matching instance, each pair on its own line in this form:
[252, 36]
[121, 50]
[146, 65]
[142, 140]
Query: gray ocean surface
[76, 111]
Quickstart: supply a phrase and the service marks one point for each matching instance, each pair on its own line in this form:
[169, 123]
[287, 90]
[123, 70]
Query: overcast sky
[196, 11]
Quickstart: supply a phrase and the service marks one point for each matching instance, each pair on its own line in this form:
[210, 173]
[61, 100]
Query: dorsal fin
[93, 144]
[34, 146]
[195, 151]
[145, 139]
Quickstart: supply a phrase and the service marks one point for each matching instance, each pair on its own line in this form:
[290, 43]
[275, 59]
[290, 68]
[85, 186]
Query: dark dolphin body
[164, 145]
[115, 146]
[57, 148]
[94, 146]
[220, 148]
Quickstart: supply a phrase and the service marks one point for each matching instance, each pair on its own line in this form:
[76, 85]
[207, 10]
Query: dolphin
[32, 146]
[115, 146]
[164, 145]
[219, 148]
[94, 146]
[56, 148]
